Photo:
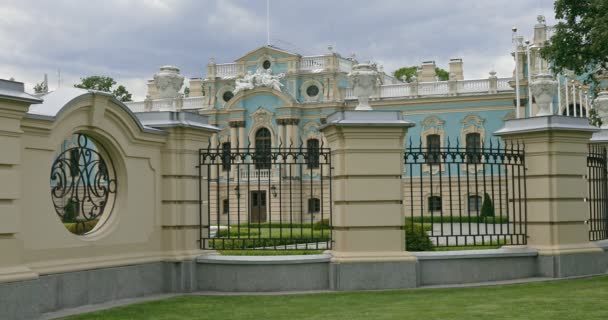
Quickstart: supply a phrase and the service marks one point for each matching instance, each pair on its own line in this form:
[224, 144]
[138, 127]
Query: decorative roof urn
[168, 81]
[543, 88]
[364, 78]
[601, 105]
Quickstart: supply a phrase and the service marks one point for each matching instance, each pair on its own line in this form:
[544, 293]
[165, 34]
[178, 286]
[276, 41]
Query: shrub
[417, 239]
[487, 208]
[70, 211]
[322, 224]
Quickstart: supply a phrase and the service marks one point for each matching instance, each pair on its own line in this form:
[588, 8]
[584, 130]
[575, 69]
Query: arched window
[474, 203]
[314, 205]
[262, 149]
[434, 203]
[312, 145]
[433, 144]
[473, 147]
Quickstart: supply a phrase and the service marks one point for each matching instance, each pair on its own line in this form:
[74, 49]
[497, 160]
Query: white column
[295, 132]
[559, 95]
[234, 135]
[281, 135]
[574, 97]
[566, 92]
[242, 137]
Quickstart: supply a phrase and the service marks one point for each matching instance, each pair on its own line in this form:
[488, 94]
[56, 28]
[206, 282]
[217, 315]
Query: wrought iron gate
[265, 198]
[597, 178]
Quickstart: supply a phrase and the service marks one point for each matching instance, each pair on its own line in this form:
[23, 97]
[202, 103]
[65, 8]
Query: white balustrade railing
[312, 63]
[137, 106]
[394, 90]
[226, 70]
[259, 174]
[193, 103]
[433, 88]
[438, 88]
[471, 86]
[163, 105]
[502, 84]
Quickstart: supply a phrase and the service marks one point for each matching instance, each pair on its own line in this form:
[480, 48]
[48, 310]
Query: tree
[41, 87]
[409, 72]
[580, 41]
[105, 84]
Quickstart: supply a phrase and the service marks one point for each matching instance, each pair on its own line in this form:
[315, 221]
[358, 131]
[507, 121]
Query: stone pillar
[281, 129]
[493, 82]
[367, 156]
[12, 110]
[242, 136]
[180, 184]
[556, 163]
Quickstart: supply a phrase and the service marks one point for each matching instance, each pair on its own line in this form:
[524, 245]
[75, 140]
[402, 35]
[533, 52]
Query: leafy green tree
[487, 208]
[580, 41]
[409, 72]
[105, 84]
[41, 87]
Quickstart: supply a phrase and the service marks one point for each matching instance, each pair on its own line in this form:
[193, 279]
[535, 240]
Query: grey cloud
[129, 39]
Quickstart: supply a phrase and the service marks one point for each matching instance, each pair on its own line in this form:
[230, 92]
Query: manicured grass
[567, 299]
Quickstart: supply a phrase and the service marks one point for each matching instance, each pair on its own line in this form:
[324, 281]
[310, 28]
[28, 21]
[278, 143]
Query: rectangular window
[474, 203]
[225, 206]
[434, 204]
[312, 146]
[473, 147]
[433, 144]
[226, 156]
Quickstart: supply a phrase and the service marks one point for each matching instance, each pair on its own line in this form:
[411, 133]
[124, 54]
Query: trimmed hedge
[417, 238]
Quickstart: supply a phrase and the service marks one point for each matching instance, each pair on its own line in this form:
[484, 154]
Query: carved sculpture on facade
[544, 88]
[261, 78]
[364, 79]
[168, 82]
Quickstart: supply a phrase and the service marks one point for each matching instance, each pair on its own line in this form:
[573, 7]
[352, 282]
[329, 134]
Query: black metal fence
[597, 177]
[467, 196]
[265, 198]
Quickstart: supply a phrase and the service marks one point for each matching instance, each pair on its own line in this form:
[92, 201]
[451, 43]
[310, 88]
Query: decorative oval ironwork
[82, 183]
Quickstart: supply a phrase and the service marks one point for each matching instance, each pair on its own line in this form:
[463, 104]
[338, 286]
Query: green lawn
[584, 299]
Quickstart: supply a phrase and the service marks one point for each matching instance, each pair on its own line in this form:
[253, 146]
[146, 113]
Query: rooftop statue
[261, 78]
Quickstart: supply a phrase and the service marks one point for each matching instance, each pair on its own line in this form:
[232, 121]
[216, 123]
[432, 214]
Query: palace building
[271, 99]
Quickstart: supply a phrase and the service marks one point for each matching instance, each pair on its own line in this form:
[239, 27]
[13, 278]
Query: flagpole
[268, 22]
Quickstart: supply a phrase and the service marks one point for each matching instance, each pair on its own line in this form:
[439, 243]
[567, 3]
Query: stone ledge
[255, 260]
[477, 254]
[544, 123]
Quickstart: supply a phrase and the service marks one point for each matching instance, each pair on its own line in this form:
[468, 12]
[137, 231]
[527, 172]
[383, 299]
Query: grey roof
[166, 119]
[13, 90]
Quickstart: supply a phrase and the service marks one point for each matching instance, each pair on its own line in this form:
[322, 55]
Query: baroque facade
[282, 99]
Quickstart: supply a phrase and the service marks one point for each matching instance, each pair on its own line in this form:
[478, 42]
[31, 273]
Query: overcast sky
[129, 39]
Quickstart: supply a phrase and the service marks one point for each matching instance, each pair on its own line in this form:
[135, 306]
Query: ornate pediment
[472, 120]
[262, 117]
[265, 50]
[432, 122]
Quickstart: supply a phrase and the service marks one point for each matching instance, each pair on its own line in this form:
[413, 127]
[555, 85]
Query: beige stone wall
[154, 216]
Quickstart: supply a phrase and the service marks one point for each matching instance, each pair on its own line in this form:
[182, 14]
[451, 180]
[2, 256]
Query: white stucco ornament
[543, 88]
[261, 78]
[364, 78]
[168, 81]
[601, 106]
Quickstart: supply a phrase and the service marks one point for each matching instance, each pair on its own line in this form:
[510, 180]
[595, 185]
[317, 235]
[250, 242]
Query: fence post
[187, 133]
[556, 161]
[368, 221]
[14, 103]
